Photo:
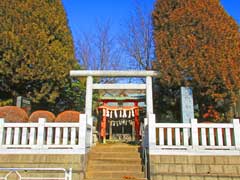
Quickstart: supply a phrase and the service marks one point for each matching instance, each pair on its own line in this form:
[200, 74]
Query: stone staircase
[116, 161]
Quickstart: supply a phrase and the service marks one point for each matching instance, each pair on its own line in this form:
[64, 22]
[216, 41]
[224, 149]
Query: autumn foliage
[68, 116]
[34, 117]
[211, 114]
[198, 45]
[13, 114]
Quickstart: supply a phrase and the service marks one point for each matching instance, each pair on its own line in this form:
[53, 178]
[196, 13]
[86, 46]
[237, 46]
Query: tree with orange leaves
[197, 44]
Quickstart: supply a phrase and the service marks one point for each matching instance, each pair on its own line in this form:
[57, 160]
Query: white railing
[45, 137]
[26, 173]
[193, 138]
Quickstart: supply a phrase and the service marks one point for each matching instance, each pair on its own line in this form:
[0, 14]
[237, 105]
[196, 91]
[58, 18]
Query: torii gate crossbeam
[109, 73]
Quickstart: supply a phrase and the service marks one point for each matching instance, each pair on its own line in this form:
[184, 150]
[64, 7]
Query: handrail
[144, 132]
[17, 171]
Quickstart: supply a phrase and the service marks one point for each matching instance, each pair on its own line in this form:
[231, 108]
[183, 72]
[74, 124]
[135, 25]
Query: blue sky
[83, 14]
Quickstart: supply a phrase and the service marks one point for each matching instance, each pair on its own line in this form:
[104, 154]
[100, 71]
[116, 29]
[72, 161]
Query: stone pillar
[187, 104]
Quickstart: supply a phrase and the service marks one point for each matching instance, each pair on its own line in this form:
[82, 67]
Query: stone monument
[187, 104]
[24, 103]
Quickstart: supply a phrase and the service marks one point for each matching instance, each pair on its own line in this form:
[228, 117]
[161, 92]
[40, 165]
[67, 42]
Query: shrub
[13, 114]
[68, 116]
[211, 115]
[50, 117]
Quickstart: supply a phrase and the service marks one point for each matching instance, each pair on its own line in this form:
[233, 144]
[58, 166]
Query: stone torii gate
[90, 86]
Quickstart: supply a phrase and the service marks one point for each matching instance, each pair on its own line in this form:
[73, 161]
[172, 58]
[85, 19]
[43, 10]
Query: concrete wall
[176, 167]
[76, 162]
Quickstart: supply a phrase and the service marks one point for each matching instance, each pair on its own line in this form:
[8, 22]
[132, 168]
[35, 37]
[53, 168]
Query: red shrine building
[119, 118]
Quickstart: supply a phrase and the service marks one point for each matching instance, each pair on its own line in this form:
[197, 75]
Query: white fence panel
[194, 137]
[44, 136]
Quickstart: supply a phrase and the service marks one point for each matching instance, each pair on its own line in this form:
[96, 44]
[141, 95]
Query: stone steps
[114, 162]
[115, 167]
[114, 174]
[108, 155]
[117, 148]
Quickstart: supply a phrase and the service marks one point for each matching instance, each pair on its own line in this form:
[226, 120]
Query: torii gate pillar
[88, 98]
[149, 96]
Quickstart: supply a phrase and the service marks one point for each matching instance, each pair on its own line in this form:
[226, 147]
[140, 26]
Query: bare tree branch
[99, 51]
[137, 39]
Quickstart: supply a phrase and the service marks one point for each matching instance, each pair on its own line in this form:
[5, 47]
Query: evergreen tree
[36, 50]
[197, 44]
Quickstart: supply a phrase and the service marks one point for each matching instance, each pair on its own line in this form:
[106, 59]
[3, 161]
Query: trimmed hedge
[16, 114]
[50, 117]
[13, 114]
[68, 116]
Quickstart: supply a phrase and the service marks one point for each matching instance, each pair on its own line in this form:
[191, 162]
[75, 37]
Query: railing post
[70, 174]
[145, 122]
[90, 122]
[40, 133]
[236, 133]
[145, 133]
[1, 130]
[82, 131]
[194, 133]
[151, 132]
